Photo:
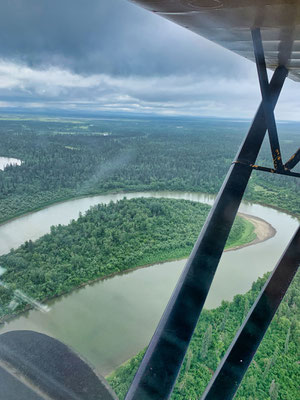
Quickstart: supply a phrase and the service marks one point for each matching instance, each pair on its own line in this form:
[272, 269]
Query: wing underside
[229, 23]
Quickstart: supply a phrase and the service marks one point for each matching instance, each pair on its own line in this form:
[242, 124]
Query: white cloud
[189, 94]
[21, 76]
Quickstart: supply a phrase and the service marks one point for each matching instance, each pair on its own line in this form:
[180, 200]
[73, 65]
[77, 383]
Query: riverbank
[57, 201]
[262, 229]
[157, 230]
[192, 380]
[120, 301]
[69, 198]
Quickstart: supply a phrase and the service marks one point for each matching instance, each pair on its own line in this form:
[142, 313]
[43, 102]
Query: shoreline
[127, 191]
[56, 202]
[262, 229]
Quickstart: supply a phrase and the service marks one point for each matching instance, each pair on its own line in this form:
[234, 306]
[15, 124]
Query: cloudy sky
[112, 56]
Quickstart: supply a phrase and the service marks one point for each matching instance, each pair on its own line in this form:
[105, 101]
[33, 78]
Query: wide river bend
[111, 320]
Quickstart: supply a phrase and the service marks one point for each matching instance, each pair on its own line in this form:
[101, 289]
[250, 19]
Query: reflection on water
[111, 320]
[4, 161]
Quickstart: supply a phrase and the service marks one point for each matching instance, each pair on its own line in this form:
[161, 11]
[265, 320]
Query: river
[4, 161]
[111, 320]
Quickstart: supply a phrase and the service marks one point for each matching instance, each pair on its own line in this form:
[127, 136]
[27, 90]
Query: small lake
[111, 320]
[4, 161]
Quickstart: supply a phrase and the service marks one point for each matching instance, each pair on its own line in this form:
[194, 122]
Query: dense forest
[64, 159]
[274, 373]
[108, 239]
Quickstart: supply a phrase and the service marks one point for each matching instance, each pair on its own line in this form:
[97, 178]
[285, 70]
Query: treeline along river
[66, 159]
[111, 320]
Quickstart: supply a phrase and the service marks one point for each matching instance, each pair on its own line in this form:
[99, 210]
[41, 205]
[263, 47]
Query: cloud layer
[114, 56]
[106, 36]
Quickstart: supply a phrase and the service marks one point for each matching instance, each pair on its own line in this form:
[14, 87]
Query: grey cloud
[105, 36]
[56, 88]
[110, 55]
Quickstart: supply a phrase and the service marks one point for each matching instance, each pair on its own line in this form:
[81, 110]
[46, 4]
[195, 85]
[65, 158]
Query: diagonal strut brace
[293, 161]
[160, 366]
[231, 370]
[279, 168]
[266, 101]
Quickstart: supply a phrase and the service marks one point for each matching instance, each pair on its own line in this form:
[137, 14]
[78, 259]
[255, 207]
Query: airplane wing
[267, 32]
[229, 23]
